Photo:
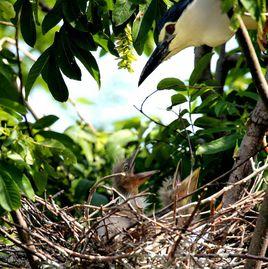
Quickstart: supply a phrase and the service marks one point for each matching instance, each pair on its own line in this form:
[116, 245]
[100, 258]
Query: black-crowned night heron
[174, 189]
[127, 183]
[191, 23]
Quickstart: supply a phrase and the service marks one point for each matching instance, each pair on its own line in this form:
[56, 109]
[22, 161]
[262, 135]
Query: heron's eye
[170, 29]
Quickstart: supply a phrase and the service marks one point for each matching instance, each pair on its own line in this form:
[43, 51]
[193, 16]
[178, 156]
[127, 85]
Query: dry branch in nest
[207, 239]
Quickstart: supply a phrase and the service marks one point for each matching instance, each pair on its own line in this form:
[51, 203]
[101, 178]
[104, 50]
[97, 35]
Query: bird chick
[127, 183]
[173, 190]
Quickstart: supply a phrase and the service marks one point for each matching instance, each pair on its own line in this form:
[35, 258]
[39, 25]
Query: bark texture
[250, 145]
[259, 241]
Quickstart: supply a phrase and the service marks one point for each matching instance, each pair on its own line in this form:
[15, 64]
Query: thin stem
[6, 23]
[88, 123]
[252, 61]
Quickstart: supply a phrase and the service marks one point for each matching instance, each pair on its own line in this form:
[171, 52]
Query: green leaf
[252, 7]
[8, 88]
[27, 188]
[117, 142]
[222, 144]
[82, 40]
[58, 149]
[36, 70]
[71, 11]
[208, 102]
[52, 76]
[84, 101]
[212, 131]
[9, 192]
[145, 27]
[199, 68]
[40, 180]
[110, 4]
[99, 199]
[9, 55]
[88, 60]
[19, 178]
[10, 119]
[35, 11]
[62, 138]
[27, 23]
[52, 18]
[82, 4]
[207, 122]
[74, 16]
[65, 57]
[177, 99]
[106, 43]
[7, 10]
[123, 9]
[13, 105]
[178, 124]
[81, 190]
[252, 95]
[171, 83]
[132, 123]
[44, 122]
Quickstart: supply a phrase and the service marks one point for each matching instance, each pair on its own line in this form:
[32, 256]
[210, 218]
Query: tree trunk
[259, 241]
[248, 148]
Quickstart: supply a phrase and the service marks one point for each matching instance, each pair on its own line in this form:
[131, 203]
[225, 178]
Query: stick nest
[61, 239]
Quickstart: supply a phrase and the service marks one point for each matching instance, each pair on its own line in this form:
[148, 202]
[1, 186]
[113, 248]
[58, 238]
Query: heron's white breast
[202, 23]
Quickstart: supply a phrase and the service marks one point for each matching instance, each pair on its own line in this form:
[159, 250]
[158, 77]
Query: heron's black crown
[173, 14]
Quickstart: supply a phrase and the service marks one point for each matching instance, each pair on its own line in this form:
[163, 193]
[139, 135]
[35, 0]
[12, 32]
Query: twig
[95, 186]
[25, 239]
[6, 23]
[88, 123]
[21, 245]
[23, 50]
[232, 255]
[167, 208]
[252, 60]
[225, 189]
[185, 227]
[44, 6]
[158, 122]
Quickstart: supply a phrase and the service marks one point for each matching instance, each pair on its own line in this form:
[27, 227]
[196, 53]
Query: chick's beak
[158, 56]
[140, 178]
[133, 182]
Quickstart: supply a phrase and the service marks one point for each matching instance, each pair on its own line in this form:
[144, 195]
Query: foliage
[36, 159]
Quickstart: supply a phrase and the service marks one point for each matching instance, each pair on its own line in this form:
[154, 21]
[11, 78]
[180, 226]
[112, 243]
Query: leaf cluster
[35, 159]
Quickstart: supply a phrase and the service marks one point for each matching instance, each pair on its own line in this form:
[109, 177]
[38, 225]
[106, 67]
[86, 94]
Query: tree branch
[258, 120]
[6, 23]
[251, 141]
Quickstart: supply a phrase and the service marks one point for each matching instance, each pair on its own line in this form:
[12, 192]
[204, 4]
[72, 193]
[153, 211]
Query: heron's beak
[158, 56]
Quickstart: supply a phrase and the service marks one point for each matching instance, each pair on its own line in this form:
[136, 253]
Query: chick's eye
[170, 29]
[126, 167]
